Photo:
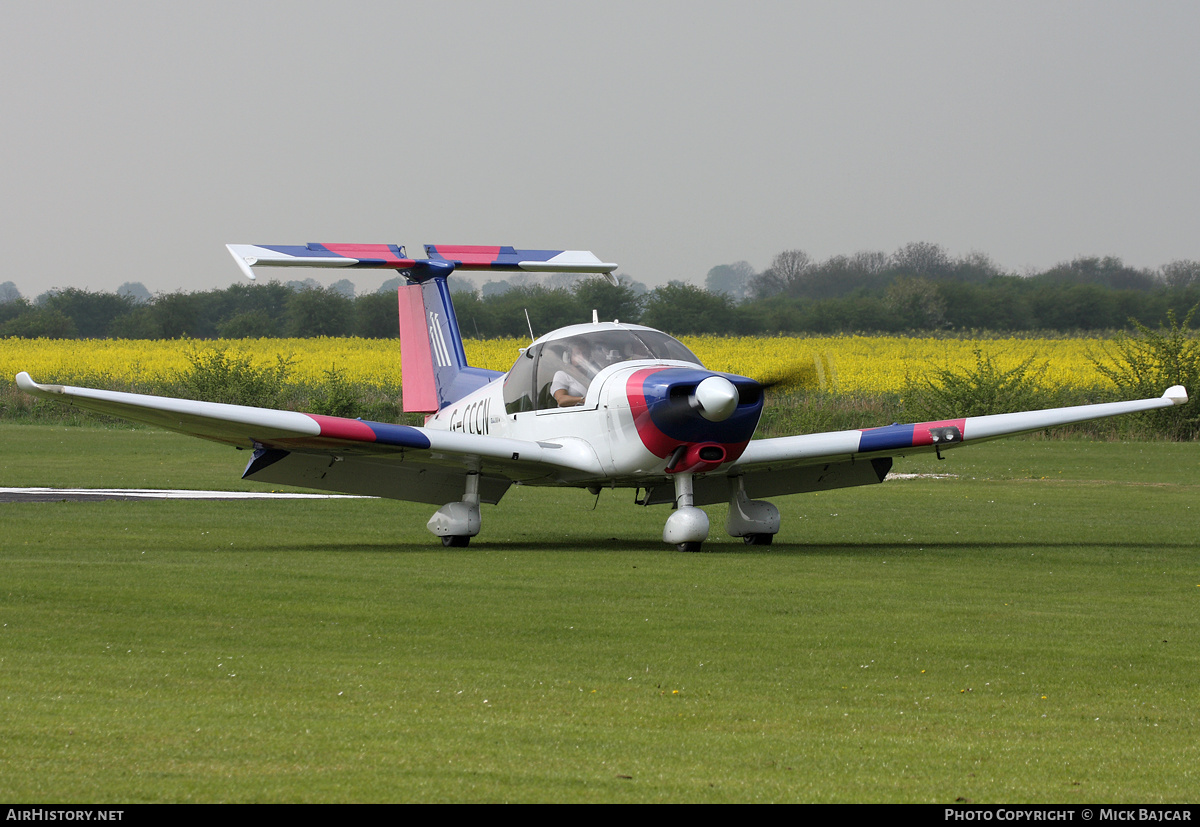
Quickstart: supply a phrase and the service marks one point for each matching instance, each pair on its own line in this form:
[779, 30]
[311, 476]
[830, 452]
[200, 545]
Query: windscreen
[563, 369]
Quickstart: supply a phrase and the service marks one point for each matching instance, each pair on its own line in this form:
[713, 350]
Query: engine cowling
[695, 419]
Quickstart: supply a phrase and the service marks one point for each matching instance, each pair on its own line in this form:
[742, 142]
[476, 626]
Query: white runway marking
[58, 494]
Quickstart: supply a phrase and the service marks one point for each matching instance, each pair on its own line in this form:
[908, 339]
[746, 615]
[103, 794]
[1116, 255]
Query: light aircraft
[600, 405]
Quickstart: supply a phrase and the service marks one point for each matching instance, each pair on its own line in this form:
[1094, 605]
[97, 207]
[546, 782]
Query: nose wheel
[687, 527]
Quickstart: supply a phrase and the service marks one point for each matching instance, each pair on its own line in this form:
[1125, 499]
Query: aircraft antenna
[595, 316]
[531, 336]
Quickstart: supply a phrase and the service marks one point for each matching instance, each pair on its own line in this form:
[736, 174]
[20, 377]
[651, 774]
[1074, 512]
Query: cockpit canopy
[578, 358]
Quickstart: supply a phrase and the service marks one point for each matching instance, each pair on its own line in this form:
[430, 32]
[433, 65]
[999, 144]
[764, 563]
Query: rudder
[433, 364]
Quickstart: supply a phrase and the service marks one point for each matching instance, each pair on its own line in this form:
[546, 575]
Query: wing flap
[777, 480]
[411, 481]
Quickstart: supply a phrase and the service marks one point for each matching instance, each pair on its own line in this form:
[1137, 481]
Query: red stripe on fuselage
[655, 440]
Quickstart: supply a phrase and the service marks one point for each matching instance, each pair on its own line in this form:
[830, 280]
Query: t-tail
[433, 363]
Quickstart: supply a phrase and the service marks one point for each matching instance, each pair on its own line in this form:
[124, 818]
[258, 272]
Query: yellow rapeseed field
[848, 364]
[884, 363]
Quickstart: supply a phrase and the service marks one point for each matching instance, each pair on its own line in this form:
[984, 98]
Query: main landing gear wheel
[457, 522]
[758, 539]
[688, 546]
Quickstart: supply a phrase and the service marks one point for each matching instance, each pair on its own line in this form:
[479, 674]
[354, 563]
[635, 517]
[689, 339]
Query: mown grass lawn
[1025, 632]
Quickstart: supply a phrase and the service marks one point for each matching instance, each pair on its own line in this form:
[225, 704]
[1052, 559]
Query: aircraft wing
[348, 455]
[840, 459]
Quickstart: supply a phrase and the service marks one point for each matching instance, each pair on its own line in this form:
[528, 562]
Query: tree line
[917, 288]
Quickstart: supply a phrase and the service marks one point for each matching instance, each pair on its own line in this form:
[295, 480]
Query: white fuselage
[603, 422]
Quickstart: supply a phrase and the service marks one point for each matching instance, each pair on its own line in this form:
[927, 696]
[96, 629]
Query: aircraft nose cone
[716, 398]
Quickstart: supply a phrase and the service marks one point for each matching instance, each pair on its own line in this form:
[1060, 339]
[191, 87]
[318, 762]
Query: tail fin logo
[437, 341]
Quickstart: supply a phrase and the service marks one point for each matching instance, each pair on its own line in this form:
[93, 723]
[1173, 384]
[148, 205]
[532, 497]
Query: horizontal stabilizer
[442, 259]
[370, 256]
[509, 258]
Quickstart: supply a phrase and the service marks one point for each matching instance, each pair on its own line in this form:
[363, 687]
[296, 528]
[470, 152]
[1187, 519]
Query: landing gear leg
[755, 521]
[456, 523]
[687, 528]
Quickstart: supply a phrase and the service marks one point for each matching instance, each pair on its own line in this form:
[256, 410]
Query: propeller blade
[796, 376]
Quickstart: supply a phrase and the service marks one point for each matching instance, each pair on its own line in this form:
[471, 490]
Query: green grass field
[1026, 632]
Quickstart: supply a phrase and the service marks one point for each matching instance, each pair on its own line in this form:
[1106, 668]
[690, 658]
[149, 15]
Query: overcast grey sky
[140, 137]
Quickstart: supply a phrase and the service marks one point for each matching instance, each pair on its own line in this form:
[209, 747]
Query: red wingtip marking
[921, 430]
[336, 427]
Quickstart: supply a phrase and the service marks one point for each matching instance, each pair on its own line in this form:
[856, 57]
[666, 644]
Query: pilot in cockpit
[569, 385]
[581, 363]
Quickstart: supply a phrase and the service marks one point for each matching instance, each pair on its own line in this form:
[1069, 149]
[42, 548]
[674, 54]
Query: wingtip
[1177, 394]
[25, 382]
[243, 262]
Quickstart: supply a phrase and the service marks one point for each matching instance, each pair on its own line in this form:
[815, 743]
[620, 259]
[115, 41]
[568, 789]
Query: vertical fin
[433, 364]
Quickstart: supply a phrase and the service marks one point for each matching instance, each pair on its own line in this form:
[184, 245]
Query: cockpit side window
[565, 369]
[518, 384]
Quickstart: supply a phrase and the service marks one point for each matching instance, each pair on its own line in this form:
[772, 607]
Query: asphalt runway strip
[57, 495]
